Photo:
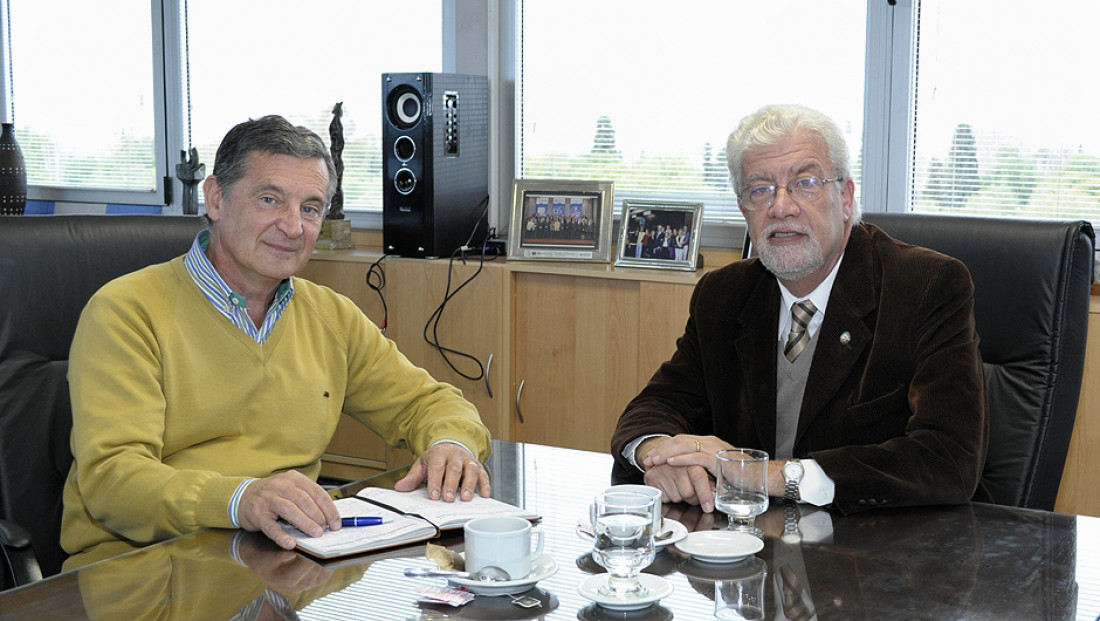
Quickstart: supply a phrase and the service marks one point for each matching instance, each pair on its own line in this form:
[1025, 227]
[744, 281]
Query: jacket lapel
[846, 331]
[756, 351]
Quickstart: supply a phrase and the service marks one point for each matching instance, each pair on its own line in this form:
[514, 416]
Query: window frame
[154, 197]
[479, 36]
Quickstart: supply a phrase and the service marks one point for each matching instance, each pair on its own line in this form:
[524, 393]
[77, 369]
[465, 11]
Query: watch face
[793, 470]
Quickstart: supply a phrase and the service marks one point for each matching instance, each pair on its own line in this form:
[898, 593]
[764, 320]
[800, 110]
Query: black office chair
[1032, 281]
[49, 267]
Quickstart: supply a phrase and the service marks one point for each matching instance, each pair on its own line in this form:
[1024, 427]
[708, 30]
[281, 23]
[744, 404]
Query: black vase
[13, 174]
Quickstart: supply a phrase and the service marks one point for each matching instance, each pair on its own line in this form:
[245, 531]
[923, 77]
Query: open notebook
[414, 517]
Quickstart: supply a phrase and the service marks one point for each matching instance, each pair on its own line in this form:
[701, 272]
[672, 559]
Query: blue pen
[362, 521]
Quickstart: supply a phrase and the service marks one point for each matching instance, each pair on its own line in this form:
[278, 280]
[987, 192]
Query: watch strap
[791, 490]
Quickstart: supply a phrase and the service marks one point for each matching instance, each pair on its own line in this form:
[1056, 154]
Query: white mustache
[786, 228]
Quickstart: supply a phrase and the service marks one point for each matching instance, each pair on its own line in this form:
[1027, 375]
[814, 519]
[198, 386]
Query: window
[1005, 114]
[88, 100]
[962, 114]
[84, 98]
[646, 92]
[298, 60]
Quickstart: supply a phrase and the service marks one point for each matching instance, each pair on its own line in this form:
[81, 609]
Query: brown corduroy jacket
[894, 409]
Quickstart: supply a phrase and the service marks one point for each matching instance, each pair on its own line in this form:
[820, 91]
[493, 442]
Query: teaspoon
[488, 573]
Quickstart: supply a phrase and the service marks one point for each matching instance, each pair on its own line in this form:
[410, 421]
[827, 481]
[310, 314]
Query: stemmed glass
[741, 489]
[623, 522]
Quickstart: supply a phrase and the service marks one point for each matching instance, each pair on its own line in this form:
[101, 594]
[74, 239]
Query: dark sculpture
[336, 146]
[190, 171]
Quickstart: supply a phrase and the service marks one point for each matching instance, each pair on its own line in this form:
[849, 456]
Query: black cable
[484, 216]
[376, 280]
[432, 325]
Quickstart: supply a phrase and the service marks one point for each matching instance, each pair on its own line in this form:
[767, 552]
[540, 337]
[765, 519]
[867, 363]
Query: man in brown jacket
[881, 402]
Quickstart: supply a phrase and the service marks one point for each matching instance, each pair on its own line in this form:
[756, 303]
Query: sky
[631, 61]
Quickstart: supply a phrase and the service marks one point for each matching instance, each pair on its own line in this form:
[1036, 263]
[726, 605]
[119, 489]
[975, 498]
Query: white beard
[793, 262]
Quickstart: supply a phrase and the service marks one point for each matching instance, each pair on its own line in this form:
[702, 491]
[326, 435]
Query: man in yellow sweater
[205, 389]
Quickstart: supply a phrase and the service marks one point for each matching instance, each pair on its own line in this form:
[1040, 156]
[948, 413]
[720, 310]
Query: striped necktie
[801, 313]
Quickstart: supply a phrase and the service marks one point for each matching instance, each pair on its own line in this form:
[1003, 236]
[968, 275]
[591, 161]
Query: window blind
[645, 93]
[1004, 128]
[92, 123]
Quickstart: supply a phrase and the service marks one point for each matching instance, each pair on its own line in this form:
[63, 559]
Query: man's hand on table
[689, 453]
[293, 497]
[450, 472]
[690, 480]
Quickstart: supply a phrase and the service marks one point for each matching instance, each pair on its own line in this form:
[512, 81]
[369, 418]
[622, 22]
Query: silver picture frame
[561, 220]
[660, 234]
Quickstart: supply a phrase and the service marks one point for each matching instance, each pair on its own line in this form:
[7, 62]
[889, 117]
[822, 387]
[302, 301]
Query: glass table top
[974, 561]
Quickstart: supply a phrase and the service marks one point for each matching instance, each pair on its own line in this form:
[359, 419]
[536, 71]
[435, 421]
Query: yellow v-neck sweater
[173, 406]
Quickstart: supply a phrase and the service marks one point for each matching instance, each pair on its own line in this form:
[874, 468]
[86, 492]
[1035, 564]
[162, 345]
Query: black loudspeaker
[435, 162]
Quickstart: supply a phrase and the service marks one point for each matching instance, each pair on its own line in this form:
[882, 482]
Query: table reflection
[980, 562]
[252, 577]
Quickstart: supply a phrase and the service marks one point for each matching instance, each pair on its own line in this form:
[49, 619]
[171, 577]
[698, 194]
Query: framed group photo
[555, 220]
[663, 235]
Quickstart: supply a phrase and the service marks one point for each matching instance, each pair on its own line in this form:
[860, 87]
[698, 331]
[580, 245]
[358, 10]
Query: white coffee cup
[503, 542]
[650, 491]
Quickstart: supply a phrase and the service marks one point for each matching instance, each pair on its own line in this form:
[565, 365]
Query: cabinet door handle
[519, 393]
[488, 365]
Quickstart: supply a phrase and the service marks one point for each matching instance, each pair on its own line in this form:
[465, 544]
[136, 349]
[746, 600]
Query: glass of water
[741, 489]
[623, 523]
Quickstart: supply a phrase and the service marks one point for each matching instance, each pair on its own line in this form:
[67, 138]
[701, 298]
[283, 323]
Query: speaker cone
[404, 181]
[404, 107]
[404, 148]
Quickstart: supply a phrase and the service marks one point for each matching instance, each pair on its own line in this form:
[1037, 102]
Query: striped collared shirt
[232, 305]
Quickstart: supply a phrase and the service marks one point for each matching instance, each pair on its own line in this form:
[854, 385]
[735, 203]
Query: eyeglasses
[801, 189]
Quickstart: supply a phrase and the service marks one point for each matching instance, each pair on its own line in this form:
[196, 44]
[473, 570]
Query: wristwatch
[791, 516]
[792, 474]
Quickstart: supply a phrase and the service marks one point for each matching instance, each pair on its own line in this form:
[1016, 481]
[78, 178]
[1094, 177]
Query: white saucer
[679, 531]
[657, 588]
[720, 546]
[543, 567]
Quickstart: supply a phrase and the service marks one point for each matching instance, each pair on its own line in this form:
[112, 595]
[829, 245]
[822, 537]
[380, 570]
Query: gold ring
[698, 447]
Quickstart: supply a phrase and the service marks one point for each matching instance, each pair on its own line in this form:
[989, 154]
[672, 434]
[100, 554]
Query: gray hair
[773, 123]
[269, 134]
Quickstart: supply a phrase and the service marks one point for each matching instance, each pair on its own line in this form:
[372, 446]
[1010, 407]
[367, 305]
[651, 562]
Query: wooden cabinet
[660, 323]
[582, 347]
[575, 355]
[1079, 491]
[470, 323]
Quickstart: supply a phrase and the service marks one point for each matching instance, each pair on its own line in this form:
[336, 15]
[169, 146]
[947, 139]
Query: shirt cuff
[456, 444]
[816, 487]
[235, 548]
[632, 447]
[235, 502]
